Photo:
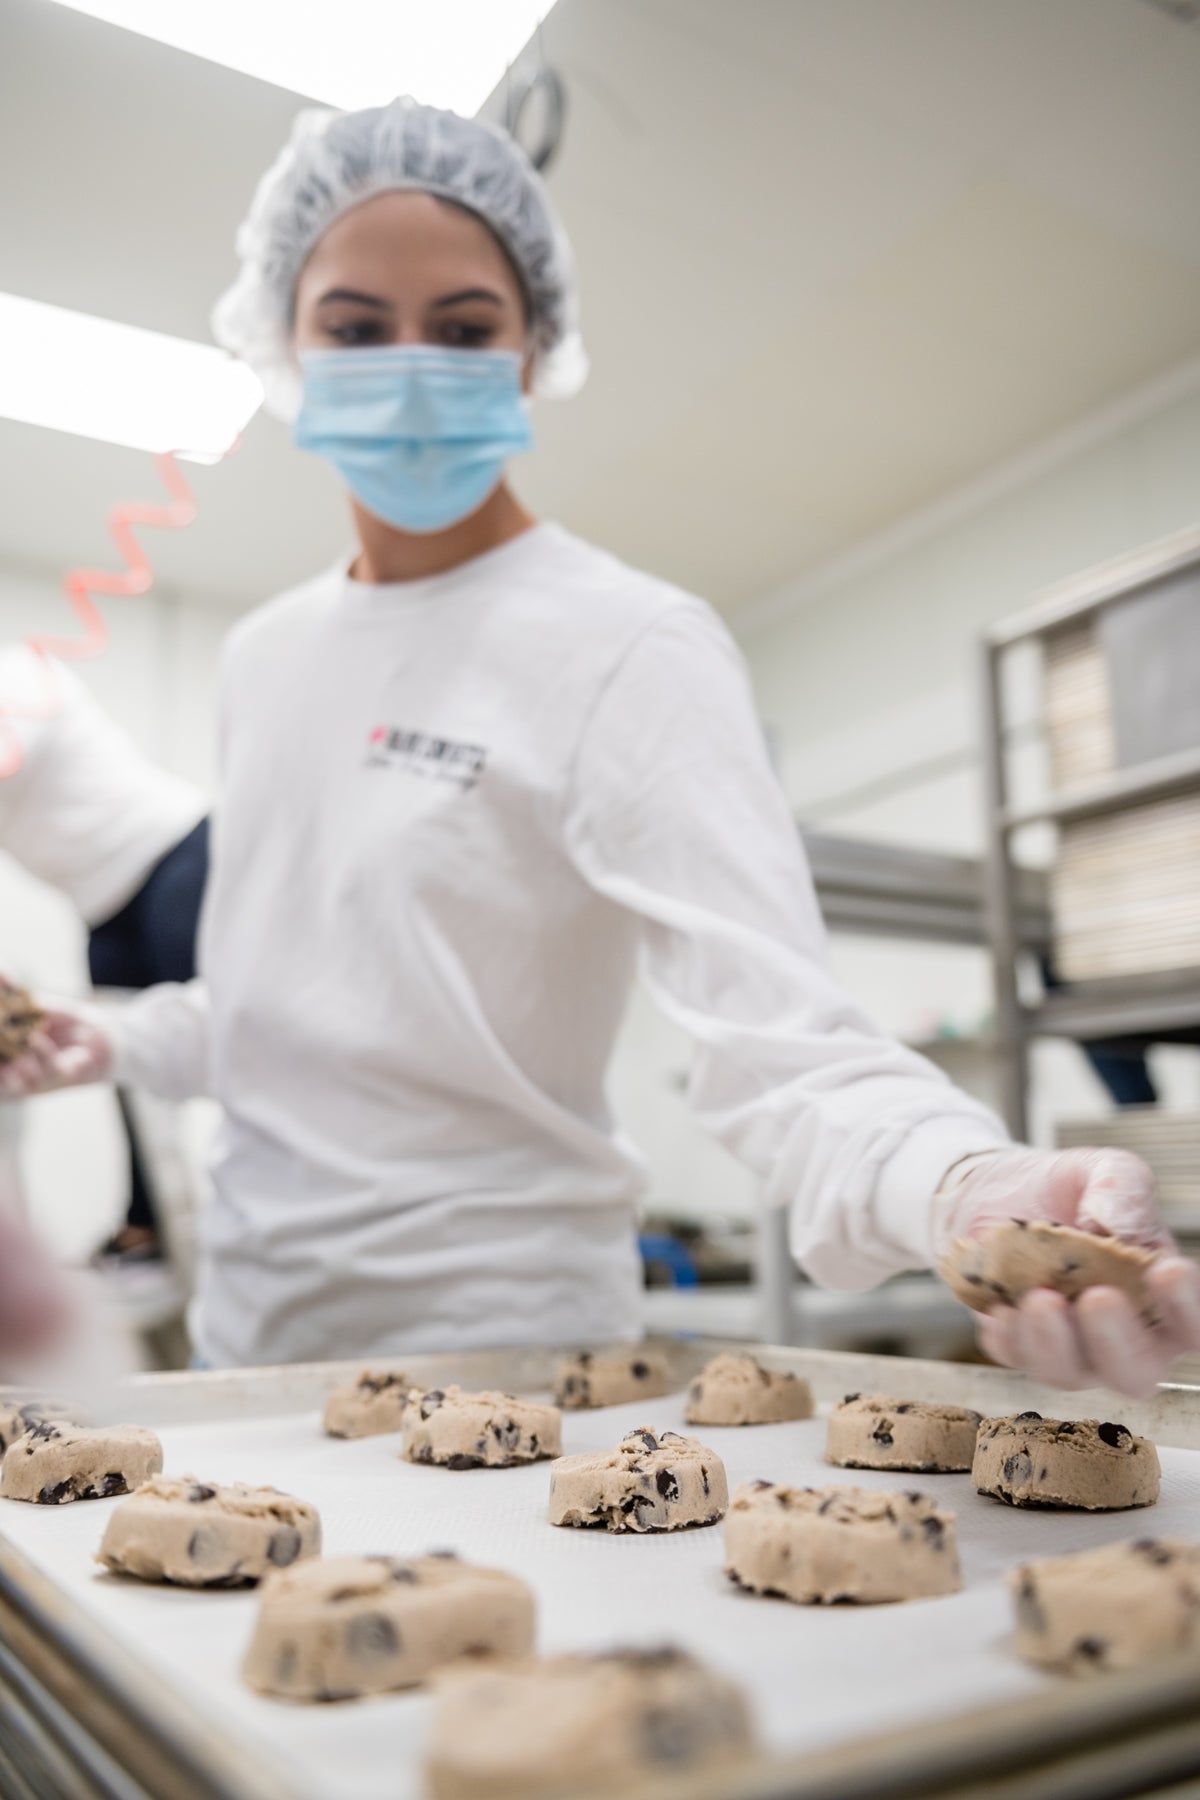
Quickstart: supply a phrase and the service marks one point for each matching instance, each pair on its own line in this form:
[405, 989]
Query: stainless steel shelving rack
[1163, 1004]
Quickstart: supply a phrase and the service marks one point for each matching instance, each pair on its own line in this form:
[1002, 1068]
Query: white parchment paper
[818, 1676]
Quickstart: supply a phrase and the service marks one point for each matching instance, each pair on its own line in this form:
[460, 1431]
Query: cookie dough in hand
[1098, 1293]
[1008, 1261]
[20, 1018]
[197, 1535]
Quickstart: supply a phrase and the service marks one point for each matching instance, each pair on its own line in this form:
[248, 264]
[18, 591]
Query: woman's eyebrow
[353, 294]
[476, 293]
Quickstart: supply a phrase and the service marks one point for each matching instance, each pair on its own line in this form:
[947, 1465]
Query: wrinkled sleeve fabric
[161, 1040]
[672, 810]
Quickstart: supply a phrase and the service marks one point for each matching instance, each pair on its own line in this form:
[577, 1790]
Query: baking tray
[123, 1690]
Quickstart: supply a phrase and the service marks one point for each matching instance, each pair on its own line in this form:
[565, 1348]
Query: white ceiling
[838, 256]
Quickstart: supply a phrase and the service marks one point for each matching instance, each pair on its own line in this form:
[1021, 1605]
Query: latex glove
[1097, 1340]
[70, 1050]
[35, 1310]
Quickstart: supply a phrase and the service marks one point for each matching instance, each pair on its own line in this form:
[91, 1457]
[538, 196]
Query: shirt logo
[419, 753]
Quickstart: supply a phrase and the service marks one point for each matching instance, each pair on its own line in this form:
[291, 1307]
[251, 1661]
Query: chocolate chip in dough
[284, 1546]
[1029, 1610]
[111, 1484]
[198, 1493]
[667, 1485]
[1018, 1469]
[1115, 1436]
[372, 1636]
[54, 1495]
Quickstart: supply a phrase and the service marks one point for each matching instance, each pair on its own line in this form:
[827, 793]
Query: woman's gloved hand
[1097, 1340]
[69, 1050]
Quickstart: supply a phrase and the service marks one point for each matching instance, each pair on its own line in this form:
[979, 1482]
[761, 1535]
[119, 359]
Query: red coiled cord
[81, 585]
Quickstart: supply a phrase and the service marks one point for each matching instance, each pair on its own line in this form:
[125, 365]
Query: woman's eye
[359, 331]
[466, 337]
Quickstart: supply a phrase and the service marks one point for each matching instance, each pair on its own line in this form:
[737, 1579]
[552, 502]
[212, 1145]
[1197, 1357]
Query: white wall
[866, 673]
[157, 678]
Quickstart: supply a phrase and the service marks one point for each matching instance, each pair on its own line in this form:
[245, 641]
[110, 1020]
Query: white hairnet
[333, 161]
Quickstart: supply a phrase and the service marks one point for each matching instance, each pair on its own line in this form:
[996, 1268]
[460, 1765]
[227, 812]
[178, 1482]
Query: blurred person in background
[476, 776]
[127, 843]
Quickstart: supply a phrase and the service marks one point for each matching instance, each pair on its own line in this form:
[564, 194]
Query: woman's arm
[673, 811]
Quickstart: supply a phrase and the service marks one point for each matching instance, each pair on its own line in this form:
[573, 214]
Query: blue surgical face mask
[419, 435]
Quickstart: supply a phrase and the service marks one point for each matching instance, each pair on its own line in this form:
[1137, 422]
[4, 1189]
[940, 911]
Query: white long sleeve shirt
[85, 810]
[458, 814]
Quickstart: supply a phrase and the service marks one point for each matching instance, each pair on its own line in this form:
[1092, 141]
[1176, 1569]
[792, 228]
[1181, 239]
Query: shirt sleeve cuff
[905, 1214]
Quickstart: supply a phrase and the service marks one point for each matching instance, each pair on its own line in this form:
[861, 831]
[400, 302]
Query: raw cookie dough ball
[374, 1403]
[873, 1431]
[189, 1532]
[53, 1463]
[1031, 1461]
[348, 1625]
[589, 1380]
[1108, 1608]
[582, 1725]
[737, 1390]
[825, 1545]
[1012, 1259]
[478, 1431]
[647, 1483]
[18, 1418]
[20, 1017]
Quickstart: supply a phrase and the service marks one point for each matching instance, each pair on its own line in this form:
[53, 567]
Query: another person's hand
[1097, 1340]
[35, 1309]
[70, 1049]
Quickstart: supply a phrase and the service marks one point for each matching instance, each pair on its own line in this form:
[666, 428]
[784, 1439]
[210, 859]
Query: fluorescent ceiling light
[353, 53]
[73, 372]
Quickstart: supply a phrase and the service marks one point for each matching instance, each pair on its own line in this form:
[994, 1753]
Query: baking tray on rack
[127, 1691]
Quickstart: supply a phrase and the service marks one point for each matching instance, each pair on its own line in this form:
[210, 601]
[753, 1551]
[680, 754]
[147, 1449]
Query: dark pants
[153, 939]
[1119, 1062]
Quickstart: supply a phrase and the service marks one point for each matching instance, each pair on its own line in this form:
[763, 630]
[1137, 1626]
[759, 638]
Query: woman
[473, 779]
